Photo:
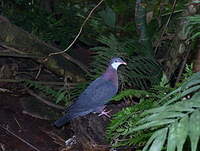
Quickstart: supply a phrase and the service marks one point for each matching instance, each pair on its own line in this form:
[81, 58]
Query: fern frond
[45, 89]
[62, 95]
[141, 71]
[118, 129]
[130, 93]
[192, 28]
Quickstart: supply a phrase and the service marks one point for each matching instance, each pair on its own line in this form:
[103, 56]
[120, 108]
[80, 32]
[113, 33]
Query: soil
[24, 128]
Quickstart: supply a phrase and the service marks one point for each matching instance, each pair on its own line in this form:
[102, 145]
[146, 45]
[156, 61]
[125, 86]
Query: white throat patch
[115, 65]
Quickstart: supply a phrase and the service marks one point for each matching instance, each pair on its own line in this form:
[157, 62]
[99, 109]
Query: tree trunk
[197, 58]
[90, 130]
[180, 47]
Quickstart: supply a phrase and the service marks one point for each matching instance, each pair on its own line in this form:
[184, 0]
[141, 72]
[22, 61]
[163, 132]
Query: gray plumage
[95, 96]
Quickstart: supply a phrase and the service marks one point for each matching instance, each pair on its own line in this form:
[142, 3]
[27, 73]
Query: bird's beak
[124, 63]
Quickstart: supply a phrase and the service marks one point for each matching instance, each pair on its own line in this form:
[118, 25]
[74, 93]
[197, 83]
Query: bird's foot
[106, 113]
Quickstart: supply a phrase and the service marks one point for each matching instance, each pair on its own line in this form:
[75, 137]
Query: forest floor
[21, 132]
[20, 128]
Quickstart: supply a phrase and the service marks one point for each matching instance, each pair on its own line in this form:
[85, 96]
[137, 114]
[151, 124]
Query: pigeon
[95, 96]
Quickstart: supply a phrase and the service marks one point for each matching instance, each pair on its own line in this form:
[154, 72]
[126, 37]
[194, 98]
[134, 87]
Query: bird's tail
[67, 117]
[63, 120]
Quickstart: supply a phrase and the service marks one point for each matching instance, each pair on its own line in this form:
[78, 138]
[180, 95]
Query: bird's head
[116, 62]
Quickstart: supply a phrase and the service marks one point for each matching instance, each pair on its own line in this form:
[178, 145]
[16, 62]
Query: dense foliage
[145, 35]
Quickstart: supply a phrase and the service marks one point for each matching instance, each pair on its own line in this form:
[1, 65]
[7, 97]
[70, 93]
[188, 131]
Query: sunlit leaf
[172, 137]
[159, 141]
[162, 115]
[194, 129]
[182, 132]
[153, 124]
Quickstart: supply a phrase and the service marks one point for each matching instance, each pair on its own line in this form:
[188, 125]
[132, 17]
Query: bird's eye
[115, 60]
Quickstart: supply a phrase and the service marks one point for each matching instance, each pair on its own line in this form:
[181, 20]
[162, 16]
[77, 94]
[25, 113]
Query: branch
[25, 55]
[165, 28]
[38, 82]
[21, 139]
[19, 55]
[77, 36]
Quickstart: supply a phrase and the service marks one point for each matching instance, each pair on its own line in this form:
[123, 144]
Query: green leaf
[196, 97]
[162, 115]
[190, 90]
[108, 16]
[184, 93]
[61, 96]
[195, 35]
[171, 94]
[182, 132]
[155, 110]
[153, 124]
[150, 141]
[159, 141]
[194, 80]
[196, 2]
[171, 143]
[182, 106]
[174, 99]
[194, 129]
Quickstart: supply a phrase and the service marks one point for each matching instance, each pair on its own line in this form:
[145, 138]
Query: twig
[2, 147]
[5, 90]
[56, 139]
[13, 49]
[38, 82]
[165, 28]
[19, 55]
[34, 115]
[77, 36]
[17, 123]
[45, 101]
[68, 57]
[182, 67]
[21, 139]
[38, 73]
[25, 55]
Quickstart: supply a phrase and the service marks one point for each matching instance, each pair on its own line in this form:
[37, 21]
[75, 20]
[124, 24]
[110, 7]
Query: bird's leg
[106, 113]
[103, 111]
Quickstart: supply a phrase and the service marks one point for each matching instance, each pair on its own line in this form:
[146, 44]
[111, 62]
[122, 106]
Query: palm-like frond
[140, 72]
[176, 120]
[167, 126]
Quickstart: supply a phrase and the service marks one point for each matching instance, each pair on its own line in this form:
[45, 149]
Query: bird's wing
[97, 94]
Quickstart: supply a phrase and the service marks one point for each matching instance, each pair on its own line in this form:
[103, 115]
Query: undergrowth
[122, 122]
[159, 121]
